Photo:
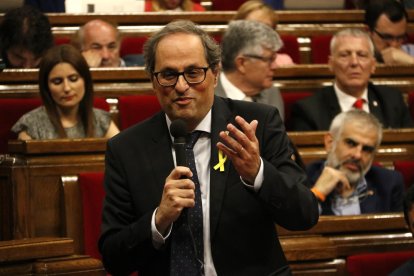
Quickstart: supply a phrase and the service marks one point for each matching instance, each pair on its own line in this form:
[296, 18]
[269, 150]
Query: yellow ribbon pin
[222, 159]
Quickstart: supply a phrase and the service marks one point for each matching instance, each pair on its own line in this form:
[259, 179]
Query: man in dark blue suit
[346, 183]
[243, 171]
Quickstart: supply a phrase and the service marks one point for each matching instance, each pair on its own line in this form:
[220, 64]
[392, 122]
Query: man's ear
[374, 66]
[328, 141]
[330, 61]
[239, 64]
[216, 73]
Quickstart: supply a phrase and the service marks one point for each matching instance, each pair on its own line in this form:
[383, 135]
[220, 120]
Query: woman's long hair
[67, 54]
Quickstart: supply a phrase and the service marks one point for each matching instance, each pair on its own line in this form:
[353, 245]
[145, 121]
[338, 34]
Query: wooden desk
[31, 194]
[45, 256]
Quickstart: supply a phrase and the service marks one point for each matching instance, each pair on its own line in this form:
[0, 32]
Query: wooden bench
[45, 256]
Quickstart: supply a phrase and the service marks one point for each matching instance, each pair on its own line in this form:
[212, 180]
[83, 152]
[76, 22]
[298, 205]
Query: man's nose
[105, 53]
[354, 58]
[357, 152]
[182, 84]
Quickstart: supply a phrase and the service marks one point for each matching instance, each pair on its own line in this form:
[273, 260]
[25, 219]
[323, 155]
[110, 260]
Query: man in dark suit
[352, 61]
[346, 183]
[246, 178]
[248, 53]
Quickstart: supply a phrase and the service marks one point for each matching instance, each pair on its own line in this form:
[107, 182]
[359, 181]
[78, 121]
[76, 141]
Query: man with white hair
[347, 183]
[352, 61]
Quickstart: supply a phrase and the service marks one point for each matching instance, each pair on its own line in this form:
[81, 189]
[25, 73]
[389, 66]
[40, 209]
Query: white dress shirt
[232, 91]
[202, 155]
[346, 102]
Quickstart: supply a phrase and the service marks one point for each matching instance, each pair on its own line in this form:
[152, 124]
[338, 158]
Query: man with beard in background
[347, 183]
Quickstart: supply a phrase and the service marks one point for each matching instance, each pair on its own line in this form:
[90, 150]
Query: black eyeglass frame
[178, 74]
[388, 37]
[264, 59]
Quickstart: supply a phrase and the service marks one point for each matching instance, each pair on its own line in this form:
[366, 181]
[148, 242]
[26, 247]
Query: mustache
[355, 162]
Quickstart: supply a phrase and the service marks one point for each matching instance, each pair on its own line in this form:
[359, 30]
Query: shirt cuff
[258, 181]
[158, 239]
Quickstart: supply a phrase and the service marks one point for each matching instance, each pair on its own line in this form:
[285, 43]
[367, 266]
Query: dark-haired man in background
[25, 35]
[387, 22]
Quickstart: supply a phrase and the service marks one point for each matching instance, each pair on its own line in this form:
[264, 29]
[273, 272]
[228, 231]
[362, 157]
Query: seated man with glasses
[387, 23]
[248, 51]
[352, 62]
[347, 183]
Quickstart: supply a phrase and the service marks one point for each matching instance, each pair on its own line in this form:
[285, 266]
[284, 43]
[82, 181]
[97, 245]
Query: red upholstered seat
[376, 264]
[320, 48]
[10, 111]
[132, 45]
[291, 47]
[101, 103]
[134, 109]
[406, 168]
[91, 185]
[226, 5]
[62, 40]
[289, 98]
[93, 193]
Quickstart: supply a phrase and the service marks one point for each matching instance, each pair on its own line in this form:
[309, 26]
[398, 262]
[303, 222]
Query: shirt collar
[231, 90]
[204, 125]
[346, 101]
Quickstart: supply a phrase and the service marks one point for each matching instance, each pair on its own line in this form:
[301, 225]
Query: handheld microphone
[178, 130]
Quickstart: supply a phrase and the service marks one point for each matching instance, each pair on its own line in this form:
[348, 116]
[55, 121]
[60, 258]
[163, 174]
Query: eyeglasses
[269, 60]
[168, 78]
[390, 38]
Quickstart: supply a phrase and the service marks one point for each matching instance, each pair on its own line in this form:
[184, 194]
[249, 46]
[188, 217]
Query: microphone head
[178, 129]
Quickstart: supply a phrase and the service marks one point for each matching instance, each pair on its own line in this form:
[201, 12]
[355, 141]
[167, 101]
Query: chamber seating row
[300, 29]
[47, 189]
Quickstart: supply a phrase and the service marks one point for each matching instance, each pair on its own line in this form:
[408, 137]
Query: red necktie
[359, 103]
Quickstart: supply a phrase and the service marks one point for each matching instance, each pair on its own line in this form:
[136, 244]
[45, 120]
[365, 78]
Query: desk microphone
[178, 130]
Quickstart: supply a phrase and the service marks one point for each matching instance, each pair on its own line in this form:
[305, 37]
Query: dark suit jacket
[387, 185]
[317, 111]
[405, 269]
[242, 222]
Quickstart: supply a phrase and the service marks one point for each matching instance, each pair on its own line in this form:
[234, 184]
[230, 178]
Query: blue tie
[187, 236]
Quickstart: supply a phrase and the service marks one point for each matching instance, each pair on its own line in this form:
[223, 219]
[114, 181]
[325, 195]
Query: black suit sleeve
[284, 188]
[301, 119]
[126, 242]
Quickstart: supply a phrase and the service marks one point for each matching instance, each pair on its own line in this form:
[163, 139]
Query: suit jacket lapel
[221, 116]
[375, 104]
[332, 103]
[160, 151]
